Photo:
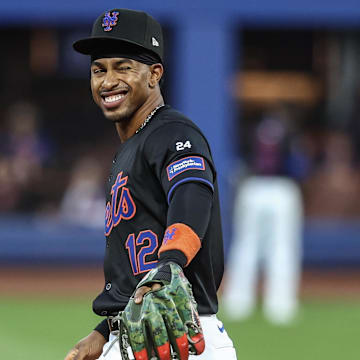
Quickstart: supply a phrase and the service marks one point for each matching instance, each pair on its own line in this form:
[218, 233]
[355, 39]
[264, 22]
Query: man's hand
[88, 348]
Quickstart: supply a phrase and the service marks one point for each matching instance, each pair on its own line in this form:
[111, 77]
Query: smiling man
[164, 251]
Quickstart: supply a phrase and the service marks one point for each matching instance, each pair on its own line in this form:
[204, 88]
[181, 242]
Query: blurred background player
[268, 221]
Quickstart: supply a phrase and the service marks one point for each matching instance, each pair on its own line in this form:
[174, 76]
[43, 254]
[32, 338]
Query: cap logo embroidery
[110, 20]
[154, 42]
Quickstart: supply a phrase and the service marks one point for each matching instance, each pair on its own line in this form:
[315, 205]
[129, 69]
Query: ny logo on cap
[110, 20]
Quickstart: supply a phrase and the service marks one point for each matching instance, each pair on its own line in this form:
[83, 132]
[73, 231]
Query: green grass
[323, 331]
[46, 329]
[42, 329]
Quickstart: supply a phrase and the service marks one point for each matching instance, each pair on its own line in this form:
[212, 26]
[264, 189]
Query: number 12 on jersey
[137, 258]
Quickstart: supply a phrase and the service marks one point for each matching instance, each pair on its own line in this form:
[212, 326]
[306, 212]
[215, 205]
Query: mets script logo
[109, 20]
[122, 205]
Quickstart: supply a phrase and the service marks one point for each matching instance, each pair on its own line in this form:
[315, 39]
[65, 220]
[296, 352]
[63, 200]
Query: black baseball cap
[117, 29]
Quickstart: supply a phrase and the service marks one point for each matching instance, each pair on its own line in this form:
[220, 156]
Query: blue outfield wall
[25, 240]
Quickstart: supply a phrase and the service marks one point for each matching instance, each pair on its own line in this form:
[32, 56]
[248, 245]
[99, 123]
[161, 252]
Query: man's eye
[124, 68]
[97, 71]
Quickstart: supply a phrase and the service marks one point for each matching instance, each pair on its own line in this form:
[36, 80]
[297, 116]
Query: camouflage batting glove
[165, 325]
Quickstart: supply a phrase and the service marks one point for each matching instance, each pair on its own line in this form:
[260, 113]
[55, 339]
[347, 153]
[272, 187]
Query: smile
[112, 100]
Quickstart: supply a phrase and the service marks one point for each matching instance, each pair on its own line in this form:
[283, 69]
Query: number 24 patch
[181, 146]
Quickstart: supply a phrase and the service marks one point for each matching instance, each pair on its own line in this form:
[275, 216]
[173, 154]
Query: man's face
[119, 86]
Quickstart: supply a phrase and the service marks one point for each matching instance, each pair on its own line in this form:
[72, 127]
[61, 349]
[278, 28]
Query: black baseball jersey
[169, 151]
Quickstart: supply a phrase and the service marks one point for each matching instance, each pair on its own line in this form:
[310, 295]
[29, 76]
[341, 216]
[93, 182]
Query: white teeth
[113, 98]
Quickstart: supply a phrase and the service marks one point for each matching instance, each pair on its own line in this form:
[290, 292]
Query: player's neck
[128, 129]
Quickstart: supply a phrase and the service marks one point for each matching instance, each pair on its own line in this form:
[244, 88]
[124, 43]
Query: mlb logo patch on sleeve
[188, 163]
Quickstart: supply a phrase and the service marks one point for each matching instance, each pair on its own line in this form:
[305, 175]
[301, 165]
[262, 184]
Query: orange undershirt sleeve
[181, 237]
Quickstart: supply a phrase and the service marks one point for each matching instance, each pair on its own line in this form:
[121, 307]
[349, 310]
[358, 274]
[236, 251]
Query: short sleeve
[179, 153]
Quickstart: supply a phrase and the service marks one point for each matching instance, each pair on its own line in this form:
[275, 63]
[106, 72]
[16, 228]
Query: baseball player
[268, 221]
[164, 251]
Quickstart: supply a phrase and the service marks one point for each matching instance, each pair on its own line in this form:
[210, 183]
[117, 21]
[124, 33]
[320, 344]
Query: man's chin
[114, 116]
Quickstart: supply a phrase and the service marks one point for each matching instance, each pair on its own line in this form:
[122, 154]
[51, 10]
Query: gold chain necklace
[148, 118]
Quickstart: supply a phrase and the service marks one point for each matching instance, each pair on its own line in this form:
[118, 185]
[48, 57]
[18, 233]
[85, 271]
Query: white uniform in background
[268, 221]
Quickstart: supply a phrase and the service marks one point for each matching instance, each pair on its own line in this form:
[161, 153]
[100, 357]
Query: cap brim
[92, 45]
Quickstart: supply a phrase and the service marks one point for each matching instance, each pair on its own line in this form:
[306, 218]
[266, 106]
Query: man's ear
[156, 72]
